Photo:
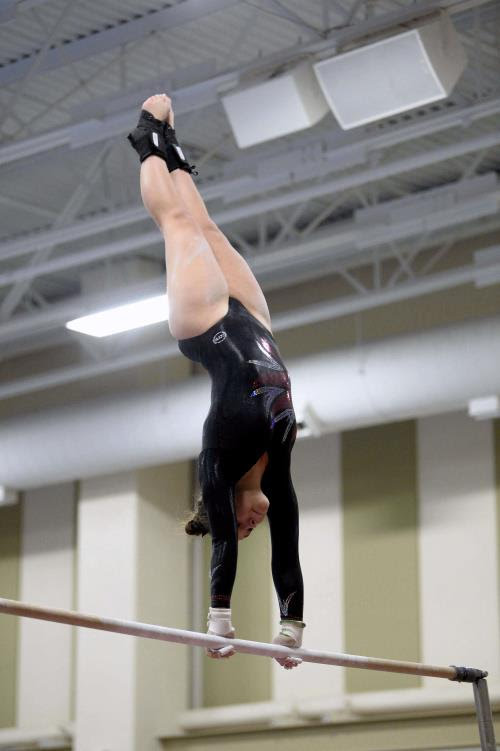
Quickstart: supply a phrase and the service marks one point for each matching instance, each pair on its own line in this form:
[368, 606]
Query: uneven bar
[178, 636]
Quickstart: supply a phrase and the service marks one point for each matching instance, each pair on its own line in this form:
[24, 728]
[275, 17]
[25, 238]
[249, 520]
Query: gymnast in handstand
[219, 315]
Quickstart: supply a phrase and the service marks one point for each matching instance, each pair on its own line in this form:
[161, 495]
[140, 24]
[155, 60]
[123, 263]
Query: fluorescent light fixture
[8, 496]
[122, 318]
[485, 407]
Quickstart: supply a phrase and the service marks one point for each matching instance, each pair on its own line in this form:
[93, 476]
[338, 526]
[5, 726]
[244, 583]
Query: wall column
[317, 482]
[46, 578]
[10, 542]
[457, 540]
[132, 564]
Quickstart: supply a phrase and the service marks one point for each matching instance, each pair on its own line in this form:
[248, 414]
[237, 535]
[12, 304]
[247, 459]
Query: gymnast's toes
[159, 105]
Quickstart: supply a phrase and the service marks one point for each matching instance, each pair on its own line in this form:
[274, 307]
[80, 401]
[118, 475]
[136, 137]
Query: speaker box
[394, 74]
[275, 108]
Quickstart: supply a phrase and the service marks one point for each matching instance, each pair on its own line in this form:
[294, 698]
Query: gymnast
[219, 316]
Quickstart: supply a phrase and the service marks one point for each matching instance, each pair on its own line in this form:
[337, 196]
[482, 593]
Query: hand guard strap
[147, 138]
[154, 137]
[175, 155]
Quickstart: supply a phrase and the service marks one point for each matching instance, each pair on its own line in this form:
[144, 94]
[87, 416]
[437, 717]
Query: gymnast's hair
[197, 524]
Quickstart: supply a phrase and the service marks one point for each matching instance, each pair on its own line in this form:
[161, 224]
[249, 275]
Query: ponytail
[197, 524]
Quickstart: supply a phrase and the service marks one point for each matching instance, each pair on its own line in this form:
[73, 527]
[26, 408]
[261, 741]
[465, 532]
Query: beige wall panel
[133, 564]
[45, 649]
[10, 541]
[496, 445]
[458, 546]
[107, 547]
[316, 477]
[380, 551]
[243, 678]
[163, 598]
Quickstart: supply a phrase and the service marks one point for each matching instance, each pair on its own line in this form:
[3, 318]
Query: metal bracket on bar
[468, 675]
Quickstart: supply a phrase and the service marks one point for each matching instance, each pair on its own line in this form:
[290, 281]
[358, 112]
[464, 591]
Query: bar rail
[193, 638]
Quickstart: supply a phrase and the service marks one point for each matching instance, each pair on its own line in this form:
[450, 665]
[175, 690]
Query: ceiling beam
[226, 188]
[483, 202]
[36, 61]
[68, 213]
[191, 10]
[28, 207]
[7, 10]
[455, 208]
[199, 95]
[104, 41]
[282, 11]
[28, 4]
[349, 246]
[316, 313]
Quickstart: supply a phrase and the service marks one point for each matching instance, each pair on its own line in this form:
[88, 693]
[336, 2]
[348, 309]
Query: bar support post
[484, 716]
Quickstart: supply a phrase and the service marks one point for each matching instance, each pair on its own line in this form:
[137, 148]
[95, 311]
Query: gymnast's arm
[283, 515]
[218, 497]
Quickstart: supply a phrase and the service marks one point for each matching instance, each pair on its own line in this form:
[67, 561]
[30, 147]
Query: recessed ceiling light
[122, 318]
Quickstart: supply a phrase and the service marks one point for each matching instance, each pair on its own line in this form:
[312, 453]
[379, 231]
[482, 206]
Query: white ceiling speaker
[277, 107]
[394, 74]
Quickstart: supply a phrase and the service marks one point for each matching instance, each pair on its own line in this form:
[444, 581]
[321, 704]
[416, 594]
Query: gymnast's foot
[290, 635]
[160, 106]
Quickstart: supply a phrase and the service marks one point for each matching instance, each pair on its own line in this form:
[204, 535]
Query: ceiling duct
[393, 379]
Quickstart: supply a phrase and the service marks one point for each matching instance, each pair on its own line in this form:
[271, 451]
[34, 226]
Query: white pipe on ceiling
[377, 382]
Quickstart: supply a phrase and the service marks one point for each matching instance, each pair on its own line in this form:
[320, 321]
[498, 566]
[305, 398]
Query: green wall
[496, 438]
[10, 529]
[243, 678]
[380, 550]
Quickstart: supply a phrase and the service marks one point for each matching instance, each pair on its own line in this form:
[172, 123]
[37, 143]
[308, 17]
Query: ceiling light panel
[122, 318]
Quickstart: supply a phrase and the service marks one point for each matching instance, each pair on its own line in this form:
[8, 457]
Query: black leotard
[251, 412]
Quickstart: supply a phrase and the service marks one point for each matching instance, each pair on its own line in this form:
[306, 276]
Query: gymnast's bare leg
[241, 281]
[196, 286]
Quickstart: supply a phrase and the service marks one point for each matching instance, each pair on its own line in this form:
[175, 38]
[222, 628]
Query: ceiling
[381, 208]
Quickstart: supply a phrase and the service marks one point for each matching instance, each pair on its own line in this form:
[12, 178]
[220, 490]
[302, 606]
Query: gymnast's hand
[160, 106]
[219, 624]
[290, 635]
